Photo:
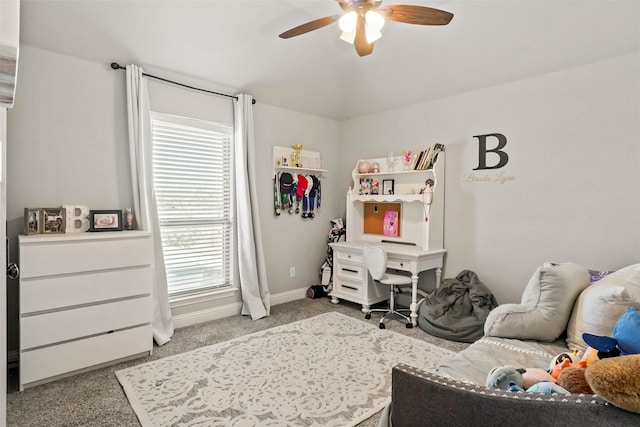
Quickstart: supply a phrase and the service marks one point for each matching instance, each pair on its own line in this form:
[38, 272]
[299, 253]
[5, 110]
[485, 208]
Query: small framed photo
[105, 220]
[32, 220]
[53, 220]
[387, 186]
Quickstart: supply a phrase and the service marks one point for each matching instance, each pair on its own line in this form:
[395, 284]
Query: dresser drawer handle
[350, 287]
[350, 270]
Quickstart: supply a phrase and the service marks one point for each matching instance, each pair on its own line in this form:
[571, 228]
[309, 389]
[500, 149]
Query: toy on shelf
[295, 156]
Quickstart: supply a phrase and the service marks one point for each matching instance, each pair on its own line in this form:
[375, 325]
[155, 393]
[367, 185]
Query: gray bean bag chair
[457, 309]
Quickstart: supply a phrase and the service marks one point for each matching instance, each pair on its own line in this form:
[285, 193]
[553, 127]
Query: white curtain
[253, 273]
[144, 200]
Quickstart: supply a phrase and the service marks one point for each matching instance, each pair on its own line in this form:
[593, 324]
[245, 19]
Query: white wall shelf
[309, 166]
[303, 171]
[422, 216]
[311, 161]
[392, 198]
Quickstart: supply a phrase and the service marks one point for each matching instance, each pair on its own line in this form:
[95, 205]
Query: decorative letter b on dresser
[503, 157]
[77, 218]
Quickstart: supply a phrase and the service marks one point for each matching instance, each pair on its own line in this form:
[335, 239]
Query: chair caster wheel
[367, 316]
[409, 325]
[381, 325]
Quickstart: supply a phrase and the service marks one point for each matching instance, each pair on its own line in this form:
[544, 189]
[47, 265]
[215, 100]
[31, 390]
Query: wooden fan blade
[309, 26]
[363, 47]
[419, 15]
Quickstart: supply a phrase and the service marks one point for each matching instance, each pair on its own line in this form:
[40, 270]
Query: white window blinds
[193, 185]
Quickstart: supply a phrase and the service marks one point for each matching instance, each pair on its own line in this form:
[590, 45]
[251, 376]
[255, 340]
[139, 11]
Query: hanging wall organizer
[297, 181]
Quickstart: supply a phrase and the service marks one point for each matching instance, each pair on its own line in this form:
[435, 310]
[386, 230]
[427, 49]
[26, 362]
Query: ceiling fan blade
[309, 26]
[419, 15]
[363, 47]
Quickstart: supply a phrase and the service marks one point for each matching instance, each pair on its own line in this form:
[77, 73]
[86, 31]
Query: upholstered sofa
[559, 303]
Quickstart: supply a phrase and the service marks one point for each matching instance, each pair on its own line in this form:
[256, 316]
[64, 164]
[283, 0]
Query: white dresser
[351, 279]
[85, 301]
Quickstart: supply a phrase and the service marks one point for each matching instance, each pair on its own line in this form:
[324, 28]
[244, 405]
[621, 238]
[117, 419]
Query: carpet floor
[96, 398]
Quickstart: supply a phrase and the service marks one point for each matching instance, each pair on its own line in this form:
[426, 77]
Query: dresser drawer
[350, 271]
[348, 288]
[60, 256]
[65, 358]
[349, 256]
[398, 264]
[55, 292]
[49, 328]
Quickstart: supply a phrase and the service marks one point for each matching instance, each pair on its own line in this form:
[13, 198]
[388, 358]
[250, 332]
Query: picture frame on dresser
[53, 220]
[105, 220]
[32, 221]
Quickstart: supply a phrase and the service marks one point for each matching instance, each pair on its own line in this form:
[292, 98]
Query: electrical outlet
[292, 272]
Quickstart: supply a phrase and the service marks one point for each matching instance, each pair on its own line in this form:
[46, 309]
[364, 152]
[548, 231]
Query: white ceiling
[236, 44]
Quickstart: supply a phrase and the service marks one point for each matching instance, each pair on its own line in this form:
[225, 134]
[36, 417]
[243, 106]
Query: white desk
[351, 280]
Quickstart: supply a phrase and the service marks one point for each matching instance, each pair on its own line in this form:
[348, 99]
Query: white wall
[67, 144]
[573, 146]
[289, 240]
[574, 149]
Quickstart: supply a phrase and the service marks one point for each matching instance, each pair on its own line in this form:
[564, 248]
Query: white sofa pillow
[545, 306]
[600, 305]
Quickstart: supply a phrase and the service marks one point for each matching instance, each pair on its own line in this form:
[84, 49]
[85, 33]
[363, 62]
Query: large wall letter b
[482, 151]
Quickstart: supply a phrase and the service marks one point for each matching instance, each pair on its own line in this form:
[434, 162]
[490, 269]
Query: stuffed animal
[573, 380]
[573, 357]
[504, 377]
[566, 363]
[617, 380]
[590, 355]
[541, 387]
[625, 340]
[547, 387]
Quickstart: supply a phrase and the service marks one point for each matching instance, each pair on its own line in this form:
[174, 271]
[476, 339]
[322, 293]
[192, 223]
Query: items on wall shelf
[297, 181]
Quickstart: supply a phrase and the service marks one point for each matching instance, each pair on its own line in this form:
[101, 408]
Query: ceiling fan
[363, 20]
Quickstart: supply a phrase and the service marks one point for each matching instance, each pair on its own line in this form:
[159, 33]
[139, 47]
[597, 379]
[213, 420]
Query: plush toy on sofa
[566, 363]
[518, 379]
[625, 340]
[573, 357]
[573, 380]
[617, 380]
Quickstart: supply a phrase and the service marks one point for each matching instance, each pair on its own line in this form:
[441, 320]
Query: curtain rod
[117, 66]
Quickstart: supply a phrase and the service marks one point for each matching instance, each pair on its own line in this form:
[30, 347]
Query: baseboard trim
[227, 310]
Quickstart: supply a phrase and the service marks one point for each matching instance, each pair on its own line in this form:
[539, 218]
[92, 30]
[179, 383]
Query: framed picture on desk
[387, 186]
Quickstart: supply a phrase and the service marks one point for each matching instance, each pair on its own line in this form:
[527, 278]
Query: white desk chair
[375, 258]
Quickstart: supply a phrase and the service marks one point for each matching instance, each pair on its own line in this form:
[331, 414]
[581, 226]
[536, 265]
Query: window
[192, 180]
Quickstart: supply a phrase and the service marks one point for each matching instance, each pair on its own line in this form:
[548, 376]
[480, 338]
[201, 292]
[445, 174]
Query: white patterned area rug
[328, 370]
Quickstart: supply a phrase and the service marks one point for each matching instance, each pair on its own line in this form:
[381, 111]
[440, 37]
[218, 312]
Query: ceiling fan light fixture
[374, 20]
[349, 37]
[362, 21]
[371, 33]
[348, 22]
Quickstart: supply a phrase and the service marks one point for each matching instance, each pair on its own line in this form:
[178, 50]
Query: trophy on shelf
[295, 156]
[391, 161]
